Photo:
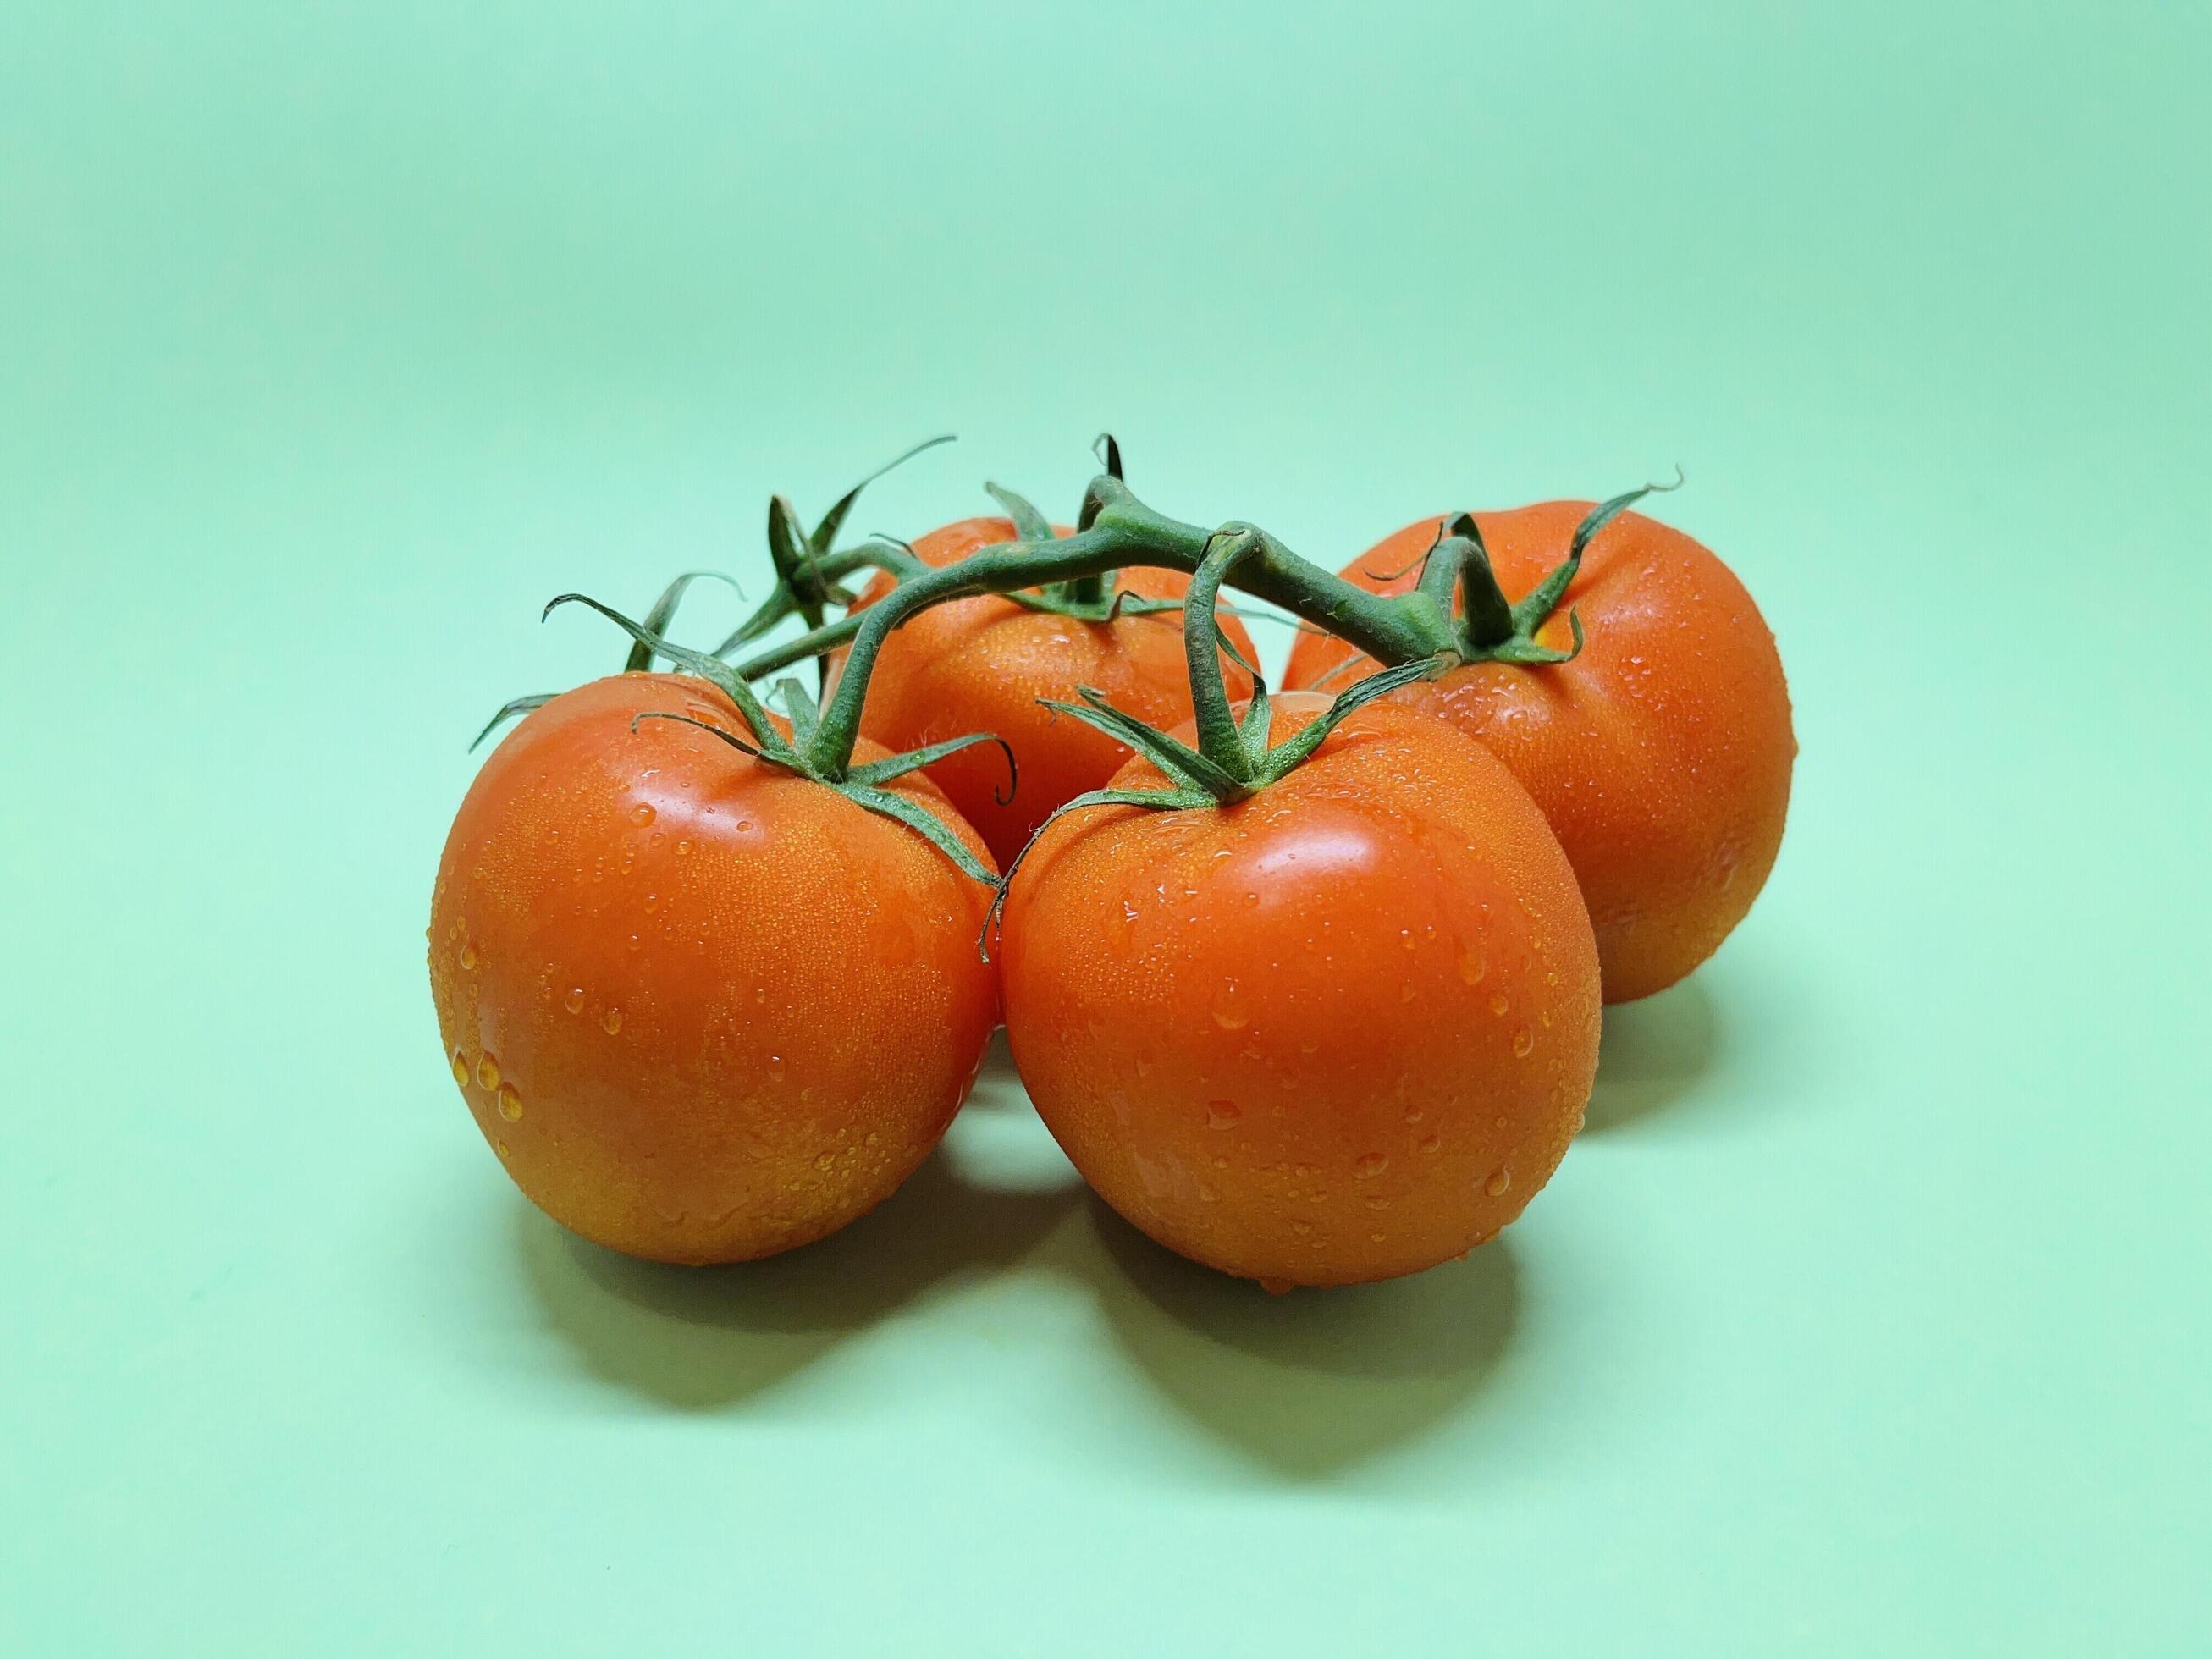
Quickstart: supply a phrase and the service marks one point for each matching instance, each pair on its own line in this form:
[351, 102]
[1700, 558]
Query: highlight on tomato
[1313, 1002]
[706, 994]
[1625, 678]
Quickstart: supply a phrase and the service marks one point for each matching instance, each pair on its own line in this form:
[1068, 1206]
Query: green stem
[1219, 739]
[1120, 531]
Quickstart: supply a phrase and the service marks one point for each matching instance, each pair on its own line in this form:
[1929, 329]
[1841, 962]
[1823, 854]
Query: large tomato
[704, 1009]
[981, 664]
[1339, 1032]
[1660, 755]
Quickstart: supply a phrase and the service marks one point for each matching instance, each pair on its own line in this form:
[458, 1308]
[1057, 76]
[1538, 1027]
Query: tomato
[1660, 755]
[981, 664]
[704, 1009]
[1340, 1031]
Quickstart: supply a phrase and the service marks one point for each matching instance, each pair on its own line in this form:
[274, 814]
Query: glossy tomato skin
[980, 665]
[702, 1009]
[1341, 1031]
[1661, 756]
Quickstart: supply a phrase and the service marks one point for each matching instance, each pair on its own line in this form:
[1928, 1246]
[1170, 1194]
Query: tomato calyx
[1492, 627]
[810, 569]
[639, 659]
[803, 752]
[1233, 760]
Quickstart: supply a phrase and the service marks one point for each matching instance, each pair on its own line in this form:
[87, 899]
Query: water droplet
[1222, 1114]
[683, 847]
[1372, 1165]
[1499, 1004]
[469, 958]
[1375, 1238]
[503, 1152]
[488, 1072]
[641, 814]
[460, 1068]
[1207, 1194]
[1406, 937]
[775, 1066]
[826, 1162]
[574, 1002]
[1378, 1202]
[1230, 1013]
[510, 1102]
[1301, 1227]
[1431, 1143]
[1277, 1287]
[1472, 966]
[1501, 1122]
[1415, 1114]
[1524, 1041]
[1497, 1185]
[1545, 1015]
[612, 1020]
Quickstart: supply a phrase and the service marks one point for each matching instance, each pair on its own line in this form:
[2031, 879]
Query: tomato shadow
[1653, 1054]
[1313, 1384]
[707, 1338]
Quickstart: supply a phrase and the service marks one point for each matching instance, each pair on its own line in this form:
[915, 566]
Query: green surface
[1869, 1316]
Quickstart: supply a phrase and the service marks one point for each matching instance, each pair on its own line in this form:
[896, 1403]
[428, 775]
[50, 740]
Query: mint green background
[1869, 1316]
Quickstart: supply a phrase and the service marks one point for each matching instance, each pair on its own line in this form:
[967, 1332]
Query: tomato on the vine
[1339, 1031]
[704, 1008]
[1661, 754]
[981, 664]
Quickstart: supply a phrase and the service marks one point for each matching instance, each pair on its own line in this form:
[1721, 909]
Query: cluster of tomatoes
[1310, 1012]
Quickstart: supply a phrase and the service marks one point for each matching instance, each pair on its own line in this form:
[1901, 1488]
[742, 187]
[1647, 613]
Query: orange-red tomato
[1340, 1031]
[980, 665]
[704, 1009]
[1661, 756]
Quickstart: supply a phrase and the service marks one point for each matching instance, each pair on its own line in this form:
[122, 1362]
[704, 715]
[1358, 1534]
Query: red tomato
[1661, 756]
[704, 1009]
[980, 665]
[1339, 1032]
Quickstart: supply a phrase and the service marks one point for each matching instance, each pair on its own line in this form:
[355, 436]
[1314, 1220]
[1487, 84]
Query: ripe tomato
[705, 1009]
[1661, 756]
[1339, 1032]
[980, 665]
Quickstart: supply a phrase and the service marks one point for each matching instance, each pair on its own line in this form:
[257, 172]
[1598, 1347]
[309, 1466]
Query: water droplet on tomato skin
[574, 1002]
[1499, 1004]
[1222, 1114]
[460, 1068]
[469, 958]
[1497, 1184]
[488, 1072]
[510, 1102]
[1372, 1165]
[1431, 1143]
[1472, 966]
[1524, 1041]
[775, 1066]
[641, 815]
[502, 1148]
[1277, 1286]
[1228, 1013]
[611, 1020]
